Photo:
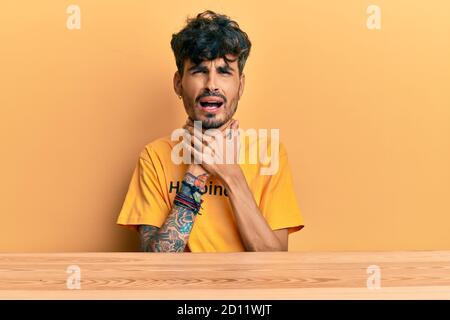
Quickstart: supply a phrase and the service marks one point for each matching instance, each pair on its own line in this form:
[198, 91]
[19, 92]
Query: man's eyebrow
[226, 67]
[198, 67]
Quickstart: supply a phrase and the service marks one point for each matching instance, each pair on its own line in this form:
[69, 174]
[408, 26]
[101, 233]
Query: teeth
[211, 104]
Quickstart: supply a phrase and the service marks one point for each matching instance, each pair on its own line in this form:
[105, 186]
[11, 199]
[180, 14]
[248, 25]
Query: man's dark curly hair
[210, 36]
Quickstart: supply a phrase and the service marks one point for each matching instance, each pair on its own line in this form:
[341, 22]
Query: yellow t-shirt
[156, 178]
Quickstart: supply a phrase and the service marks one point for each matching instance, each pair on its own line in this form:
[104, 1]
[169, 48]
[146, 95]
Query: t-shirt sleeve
[278, 200]
[145, 202]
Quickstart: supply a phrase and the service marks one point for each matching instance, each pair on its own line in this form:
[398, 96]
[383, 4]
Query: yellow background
[364, 114]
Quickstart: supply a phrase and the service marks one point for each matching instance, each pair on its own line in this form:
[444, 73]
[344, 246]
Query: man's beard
[211, 122]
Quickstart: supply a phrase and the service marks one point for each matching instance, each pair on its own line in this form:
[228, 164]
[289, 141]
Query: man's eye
[225, 71]
[198, 71]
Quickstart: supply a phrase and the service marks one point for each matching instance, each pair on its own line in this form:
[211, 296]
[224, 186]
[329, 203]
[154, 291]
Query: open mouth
[211, 104]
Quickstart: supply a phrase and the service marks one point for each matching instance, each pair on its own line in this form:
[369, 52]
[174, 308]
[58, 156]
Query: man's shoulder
[160, 148]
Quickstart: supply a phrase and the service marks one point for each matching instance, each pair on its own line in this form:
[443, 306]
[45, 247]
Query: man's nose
[211, 82]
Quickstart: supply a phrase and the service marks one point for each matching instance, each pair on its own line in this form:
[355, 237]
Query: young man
[208, 206]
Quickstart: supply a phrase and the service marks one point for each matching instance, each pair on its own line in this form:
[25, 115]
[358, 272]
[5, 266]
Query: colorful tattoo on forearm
[146, 234]
[174, 233]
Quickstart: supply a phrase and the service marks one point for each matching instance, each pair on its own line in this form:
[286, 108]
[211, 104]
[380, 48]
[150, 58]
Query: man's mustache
[211, 94]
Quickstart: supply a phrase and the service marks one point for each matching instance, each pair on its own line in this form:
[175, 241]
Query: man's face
[210, 90]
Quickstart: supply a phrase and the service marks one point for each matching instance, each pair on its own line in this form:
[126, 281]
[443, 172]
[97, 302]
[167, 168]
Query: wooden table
[248, 275]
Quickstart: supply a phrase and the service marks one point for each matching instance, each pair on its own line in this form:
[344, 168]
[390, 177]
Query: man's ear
[177, 83]
[241, 84]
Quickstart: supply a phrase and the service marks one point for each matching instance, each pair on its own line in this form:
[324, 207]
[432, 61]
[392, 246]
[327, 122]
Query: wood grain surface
[248, 275]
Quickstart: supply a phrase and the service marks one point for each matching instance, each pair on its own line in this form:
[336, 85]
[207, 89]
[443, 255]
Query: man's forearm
[255, 232]
[174, 233]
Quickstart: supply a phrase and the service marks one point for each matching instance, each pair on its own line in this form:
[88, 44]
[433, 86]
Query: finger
[236, 139]
[200, 157]
[195, 133]
[194, 156]
[197, 143]
[190, 130]
[187, 136]
[229, 124]
[225, 126]
[213, 133]
[209, 139]
[187, 141]
[209, 143]
[236, 130]
[204, 148]
[230, 131]
[186, 124]
[189, 122]
[235, 125]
